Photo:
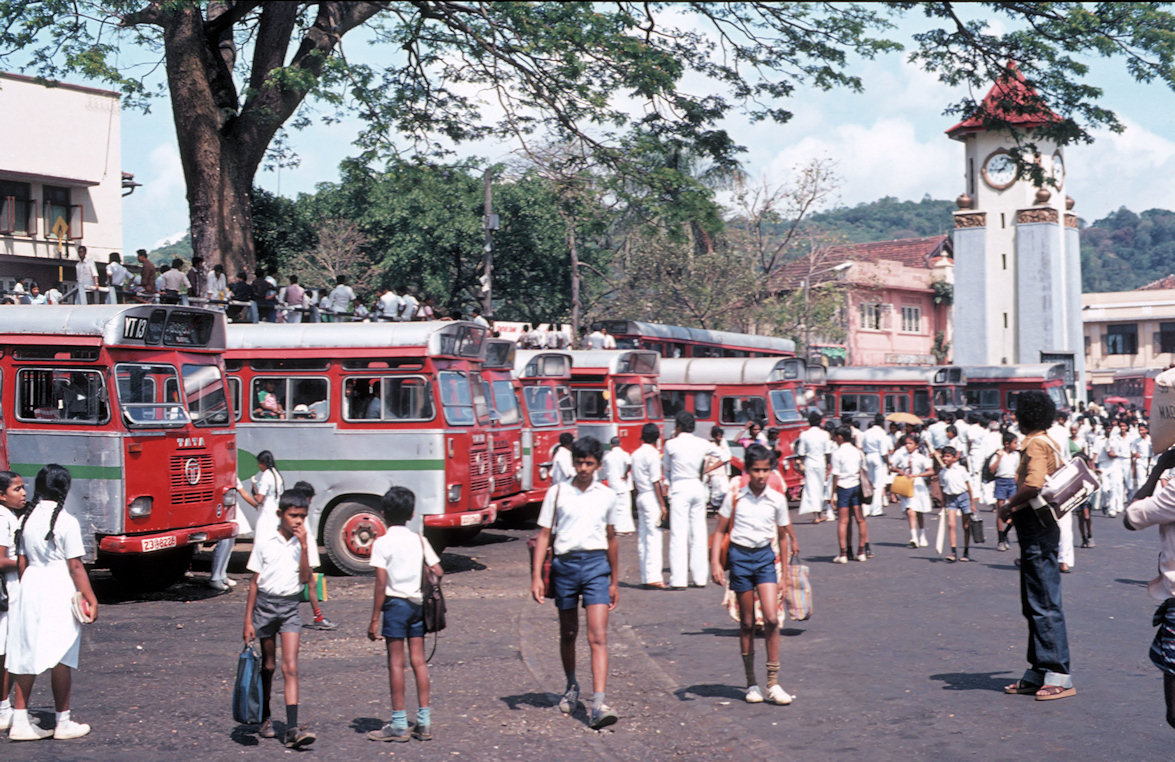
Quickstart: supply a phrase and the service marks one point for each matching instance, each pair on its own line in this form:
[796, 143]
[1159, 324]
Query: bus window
[234, 390]
[1060, 398]
[859, 403]
[922, 402]
[591, 405]
[481, 405]
[783, 404]
[48, 396]
[462, 398]
[139, 396]
[897, 403]
[629, 402]
[204, 391]
[542, 405]
[1011, 397]
[505, 403]
[290, 399]
[943, 397]
[652, 402]
[362, 398]
[703, 405]
[743, 409]
[672, 403]
[566, 405]
[986, 399]
[388, 398]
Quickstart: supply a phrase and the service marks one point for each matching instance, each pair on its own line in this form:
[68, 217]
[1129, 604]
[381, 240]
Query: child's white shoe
[777, 695]
[26, 731]
[69, 729]
[6, 719]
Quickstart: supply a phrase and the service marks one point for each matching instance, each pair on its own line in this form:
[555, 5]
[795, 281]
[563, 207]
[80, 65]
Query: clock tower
[1017, 256]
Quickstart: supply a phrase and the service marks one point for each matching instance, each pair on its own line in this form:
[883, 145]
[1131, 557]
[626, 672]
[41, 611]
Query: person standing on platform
[87, 277]
[813, 448]
[117, 278]
[685, 457]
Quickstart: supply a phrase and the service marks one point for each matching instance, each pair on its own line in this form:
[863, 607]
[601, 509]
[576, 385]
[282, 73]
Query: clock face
[999, 171]
[1058, 169]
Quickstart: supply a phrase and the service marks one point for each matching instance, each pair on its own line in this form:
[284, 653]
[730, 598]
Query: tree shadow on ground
[973, 681]
[364, 725]
[541, 700]
[709, 690]
[1133, 582]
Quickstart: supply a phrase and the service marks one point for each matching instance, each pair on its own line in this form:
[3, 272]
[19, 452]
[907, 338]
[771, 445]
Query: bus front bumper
[121, 544]
[478, 518]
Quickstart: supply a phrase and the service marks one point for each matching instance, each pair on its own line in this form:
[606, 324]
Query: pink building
[897, 298]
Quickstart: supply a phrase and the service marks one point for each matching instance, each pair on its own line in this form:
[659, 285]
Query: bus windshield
[149, 395]
[630, 402]
[462, 398]
[783, 404]
[505, 403]
[204, 391]
[1059, 395]
[542, 405]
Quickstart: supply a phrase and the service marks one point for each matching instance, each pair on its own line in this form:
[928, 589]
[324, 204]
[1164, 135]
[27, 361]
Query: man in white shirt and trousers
[616, 467]
[87, 277]
[877, 446]
[813, 447]
[1059, 433]
[650, 505]
[685, 455]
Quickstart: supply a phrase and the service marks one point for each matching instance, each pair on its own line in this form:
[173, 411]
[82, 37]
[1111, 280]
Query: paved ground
[903, 659]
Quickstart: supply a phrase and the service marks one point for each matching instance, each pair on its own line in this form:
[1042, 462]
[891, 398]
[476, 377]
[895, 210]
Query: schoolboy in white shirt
[281, 563]
[752, 519]
[581, 514]
[955, 481]
[650, 506]
[398, 557]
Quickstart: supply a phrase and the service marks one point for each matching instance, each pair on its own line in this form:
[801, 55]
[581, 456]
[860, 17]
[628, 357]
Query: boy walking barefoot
[398, 557]
[751, 519]
[281, 564]
[581, 514]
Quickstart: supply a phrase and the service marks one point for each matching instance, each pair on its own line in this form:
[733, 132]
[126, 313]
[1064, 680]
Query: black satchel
[434, 600]
[977, 529]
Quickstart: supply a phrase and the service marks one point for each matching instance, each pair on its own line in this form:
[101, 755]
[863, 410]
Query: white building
[61, 178]
[1017, 254]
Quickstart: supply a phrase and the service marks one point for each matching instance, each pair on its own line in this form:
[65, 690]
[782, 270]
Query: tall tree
[585, 72]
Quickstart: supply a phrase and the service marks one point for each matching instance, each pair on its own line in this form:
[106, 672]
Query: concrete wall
[971, 312]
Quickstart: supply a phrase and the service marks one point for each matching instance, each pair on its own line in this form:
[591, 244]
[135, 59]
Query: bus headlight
[230, 497]
[544, 472]
[454, 493]
[141, 506]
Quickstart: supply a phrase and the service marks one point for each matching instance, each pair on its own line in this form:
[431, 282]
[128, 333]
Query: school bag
[797, 590]
[1067, 487]
[433, 600]
[987, 474]
[247, 688]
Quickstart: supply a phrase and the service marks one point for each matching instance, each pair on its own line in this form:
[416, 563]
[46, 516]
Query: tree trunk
[574, 264]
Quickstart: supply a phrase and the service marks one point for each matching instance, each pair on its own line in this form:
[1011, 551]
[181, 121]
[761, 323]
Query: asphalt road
[903, 659]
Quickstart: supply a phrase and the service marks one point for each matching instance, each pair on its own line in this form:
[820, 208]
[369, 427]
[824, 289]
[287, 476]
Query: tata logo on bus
[184, 443]
[192, 471]
[134, 327]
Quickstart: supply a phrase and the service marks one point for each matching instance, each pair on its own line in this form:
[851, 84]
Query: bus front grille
[191, 479]
[479, 468]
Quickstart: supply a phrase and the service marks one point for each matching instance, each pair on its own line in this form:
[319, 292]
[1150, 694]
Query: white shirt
[117, 275]
[8, 526]
[562, 467]
[954, 479]
[684, 456]
[1159, 509]
[595, 340]
[876, 441]
[480, 320]
[579, 520]
[402, 553]
[1008, 464]
[277, 562]
[755, 517]
[646, 468]
[846, 466]
[390, 305]
[615, 467]
[216, 287]
[812, 445]
[408, 310]
[936, 435]
[87, 274]
[341, 297]
[910, 463]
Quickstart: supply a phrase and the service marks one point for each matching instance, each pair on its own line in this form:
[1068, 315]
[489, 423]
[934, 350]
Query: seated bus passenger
[268, 405]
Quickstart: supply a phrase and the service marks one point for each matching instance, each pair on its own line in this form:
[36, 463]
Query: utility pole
[489, 224]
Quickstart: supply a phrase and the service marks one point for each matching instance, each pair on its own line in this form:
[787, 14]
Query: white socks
[63, 717]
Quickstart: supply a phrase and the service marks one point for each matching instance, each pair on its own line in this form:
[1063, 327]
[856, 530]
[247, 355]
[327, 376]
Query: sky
[887, 141]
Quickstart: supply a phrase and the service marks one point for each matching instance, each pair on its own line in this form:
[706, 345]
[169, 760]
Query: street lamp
[807, 306]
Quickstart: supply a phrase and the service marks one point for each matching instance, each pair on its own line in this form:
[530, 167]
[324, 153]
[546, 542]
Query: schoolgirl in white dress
[12, 500]
[43, 633]
[910, 461]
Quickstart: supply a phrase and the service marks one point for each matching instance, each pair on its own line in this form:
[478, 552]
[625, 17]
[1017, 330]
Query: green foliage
[1124, 250]
[944, 293]
[888, 219]
[164, 254]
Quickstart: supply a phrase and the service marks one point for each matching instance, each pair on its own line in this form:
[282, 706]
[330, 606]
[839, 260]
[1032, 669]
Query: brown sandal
[1021, 688]
[1051, 692]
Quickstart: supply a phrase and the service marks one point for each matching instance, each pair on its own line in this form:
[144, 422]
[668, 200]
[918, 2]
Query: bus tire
[350, 530]
[152, 572]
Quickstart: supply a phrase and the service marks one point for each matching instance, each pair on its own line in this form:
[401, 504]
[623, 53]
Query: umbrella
[904, 418]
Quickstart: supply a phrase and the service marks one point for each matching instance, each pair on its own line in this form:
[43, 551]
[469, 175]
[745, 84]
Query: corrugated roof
[1167, 281]
[911, 252]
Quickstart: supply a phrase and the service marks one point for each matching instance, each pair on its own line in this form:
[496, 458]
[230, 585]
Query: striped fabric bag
[797, 590]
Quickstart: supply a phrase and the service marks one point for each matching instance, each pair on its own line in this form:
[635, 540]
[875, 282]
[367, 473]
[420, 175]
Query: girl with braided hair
[12, 502]
[44, 635]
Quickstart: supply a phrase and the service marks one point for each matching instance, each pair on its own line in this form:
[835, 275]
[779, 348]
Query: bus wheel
[350, 530]
[152, 572]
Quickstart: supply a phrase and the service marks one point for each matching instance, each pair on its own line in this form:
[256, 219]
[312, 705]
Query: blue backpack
[247, 688]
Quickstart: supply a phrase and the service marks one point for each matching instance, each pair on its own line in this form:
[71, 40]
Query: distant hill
[887, 219]
[1124, 250]
[181, 248]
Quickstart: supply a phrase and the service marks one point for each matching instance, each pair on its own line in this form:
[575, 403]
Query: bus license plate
[158, 543]
[470, 519]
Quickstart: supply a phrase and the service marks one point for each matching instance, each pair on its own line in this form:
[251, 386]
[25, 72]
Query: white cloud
[160, 203]
[1135, 169]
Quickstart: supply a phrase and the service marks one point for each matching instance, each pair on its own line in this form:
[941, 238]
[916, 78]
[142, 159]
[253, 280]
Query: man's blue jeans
[1040, 599]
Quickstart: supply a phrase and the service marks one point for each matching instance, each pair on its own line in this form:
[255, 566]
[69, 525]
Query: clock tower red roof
[1012, 101]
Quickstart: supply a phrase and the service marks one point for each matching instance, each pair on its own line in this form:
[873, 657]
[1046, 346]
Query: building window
[872, 316]
[912, 319]
[1122, 339]
[15, 203]
[1167, 337]
[56, 207]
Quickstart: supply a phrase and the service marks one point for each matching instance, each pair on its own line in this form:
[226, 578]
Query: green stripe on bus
[247, 465]
[29, 471]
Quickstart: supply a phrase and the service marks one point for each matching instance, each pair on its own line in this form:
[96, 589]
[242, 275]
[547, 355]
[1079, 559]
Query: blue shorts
[1004, 488]
[960, 502]
[1163, 648]
[846, 497]
[751, 567]
[403, 619]
[581, 573]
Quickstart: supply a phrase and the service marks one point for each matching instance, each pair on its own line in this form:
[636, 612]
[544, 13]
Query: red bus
[506, 420]
[734, 392]
[863, 391]
[615, 393]
[994, 388]
[358, 407]
[674, 341]
[132, 400]
[1136, 386]
[549, 411]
